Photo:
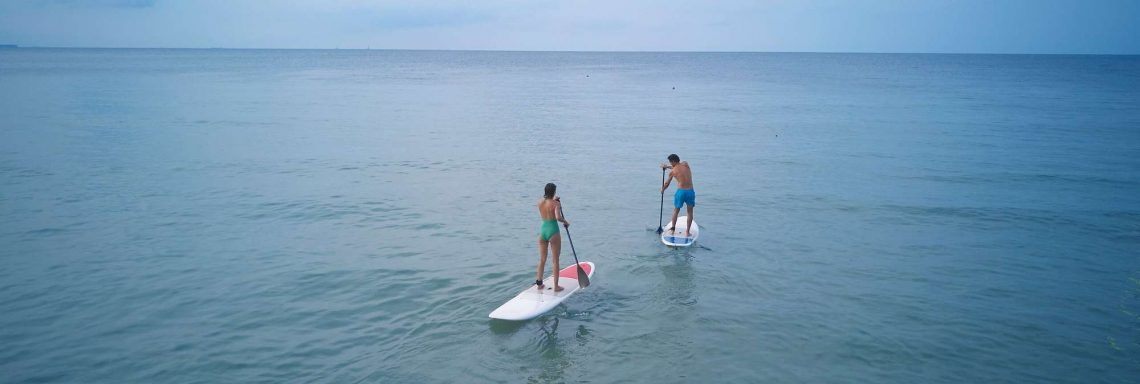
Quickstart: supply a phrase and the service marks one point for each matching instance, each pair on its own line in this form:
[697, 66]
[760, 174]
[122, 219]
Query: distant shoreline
[574, 51]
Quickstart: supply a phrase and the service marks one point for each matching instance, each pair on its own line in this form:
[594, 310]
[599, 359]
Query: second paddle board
[678, 238]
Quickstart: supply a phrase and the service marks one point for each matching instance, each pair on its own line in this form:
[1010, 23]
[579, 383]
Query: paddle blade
[659, 230]
[583, 279]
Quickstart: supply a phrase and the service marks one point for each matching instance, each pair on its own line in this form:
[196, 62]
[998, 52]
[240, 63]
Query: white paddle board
[678, 238]
[533, 302]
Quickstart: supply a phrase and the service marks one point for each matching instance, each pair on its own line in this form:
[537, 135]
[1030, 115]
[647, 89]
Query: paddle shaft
[583, 278]
[661, 212]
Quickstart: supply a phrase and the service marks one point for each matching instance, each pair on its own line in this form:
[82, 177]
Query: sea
[353, 216]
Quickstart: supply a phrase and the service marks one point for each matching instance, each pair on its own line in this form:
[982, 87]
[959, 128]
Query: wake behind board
[678, 238]
[532, 302]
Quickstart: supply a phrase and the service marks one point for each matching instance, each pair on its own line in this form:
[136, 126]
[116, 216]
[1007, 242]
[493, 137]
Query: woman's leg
[542, 261]
[556, 247]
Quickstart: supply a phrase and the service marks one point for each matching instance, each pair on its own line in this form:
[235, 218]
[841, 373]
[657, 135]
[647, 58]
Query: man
[685, 194]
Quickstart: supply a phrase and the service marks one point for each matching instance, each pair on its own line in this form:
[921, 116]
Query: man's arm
[667, 181]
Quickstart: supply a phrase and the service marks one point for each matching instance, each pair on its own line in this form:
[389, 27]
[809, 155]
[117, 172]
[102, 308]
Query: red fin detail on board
[572, 271]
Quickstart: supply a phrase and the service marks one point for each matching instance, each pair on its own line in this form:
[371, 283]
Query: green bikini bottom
[548, 229]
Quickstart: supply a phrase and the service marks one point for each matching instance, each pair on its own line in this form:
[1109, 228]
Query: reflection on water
[551, 355]
[557, 356]
[553, 359]
[679, 287]
[582, 335]
[548, 336]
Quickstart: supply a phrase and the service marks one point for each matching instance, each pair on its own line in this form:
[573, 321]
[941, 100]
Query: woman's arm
[558, 211]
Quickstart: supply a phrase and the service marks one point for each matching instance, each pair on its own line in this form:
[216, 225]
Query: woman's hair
[550, 188]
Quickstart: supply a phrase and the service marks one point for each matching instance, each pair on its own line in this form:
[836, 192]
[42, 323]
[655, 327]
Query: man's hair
[550, 188]
[673, 158]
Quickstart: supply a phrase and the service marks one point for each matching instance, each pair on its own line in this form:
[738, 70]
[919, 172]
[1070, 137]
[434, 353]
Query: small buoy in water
[674, 87]
[587, 75]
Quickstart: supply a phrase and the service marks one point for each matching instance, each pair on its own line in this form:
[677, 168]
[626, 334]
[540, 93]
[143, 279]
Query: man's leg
[556, 247]
[541, 260]
[689, 225]
[676, 210]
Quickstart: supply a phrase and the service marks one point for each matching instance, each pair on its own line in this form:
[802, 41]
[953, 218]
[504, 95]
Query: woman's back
[547, 208]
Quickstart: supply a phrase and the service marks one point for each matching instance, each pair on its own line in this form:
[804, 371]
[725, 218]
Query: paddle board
[532, 302]
[678, 238]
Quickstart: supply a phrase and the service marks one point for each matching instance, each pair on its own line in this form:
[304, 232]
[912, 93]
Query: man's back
[684, 175]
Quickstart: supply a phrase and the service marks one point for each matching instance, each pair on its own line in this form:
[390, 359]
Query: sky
[943, 26]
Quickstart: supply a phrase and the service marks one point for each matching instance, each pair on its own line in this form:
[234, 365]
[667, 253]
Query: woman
[549, 209]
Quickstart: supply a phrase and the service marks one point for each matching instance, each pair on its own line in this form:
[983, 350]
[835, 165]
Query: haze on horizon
[944, 26]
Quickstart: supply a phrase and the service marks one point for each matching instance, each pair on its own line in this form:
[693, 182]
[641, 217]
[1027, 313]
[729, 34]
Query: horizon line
[17, 46]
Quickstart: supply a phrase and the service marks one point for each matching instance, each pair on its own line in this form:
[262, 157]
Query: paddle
[583, 278]
[661, 212]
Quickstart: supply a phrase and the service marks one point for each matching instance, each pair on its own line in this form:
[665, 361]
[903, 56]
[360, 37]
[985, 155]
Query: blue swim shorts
[684, 196]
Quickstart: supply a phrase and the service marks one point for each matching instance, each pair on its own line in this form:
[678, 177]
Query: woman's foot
[539, 284]
[558, 288]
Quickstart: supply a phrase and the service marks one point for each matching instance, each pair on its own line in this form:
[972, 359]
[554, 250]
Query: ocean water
[206, 216]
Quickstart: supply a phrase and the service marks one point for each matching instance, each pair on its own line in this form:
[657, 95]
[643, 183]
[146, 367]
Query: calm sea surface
[206, 216]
